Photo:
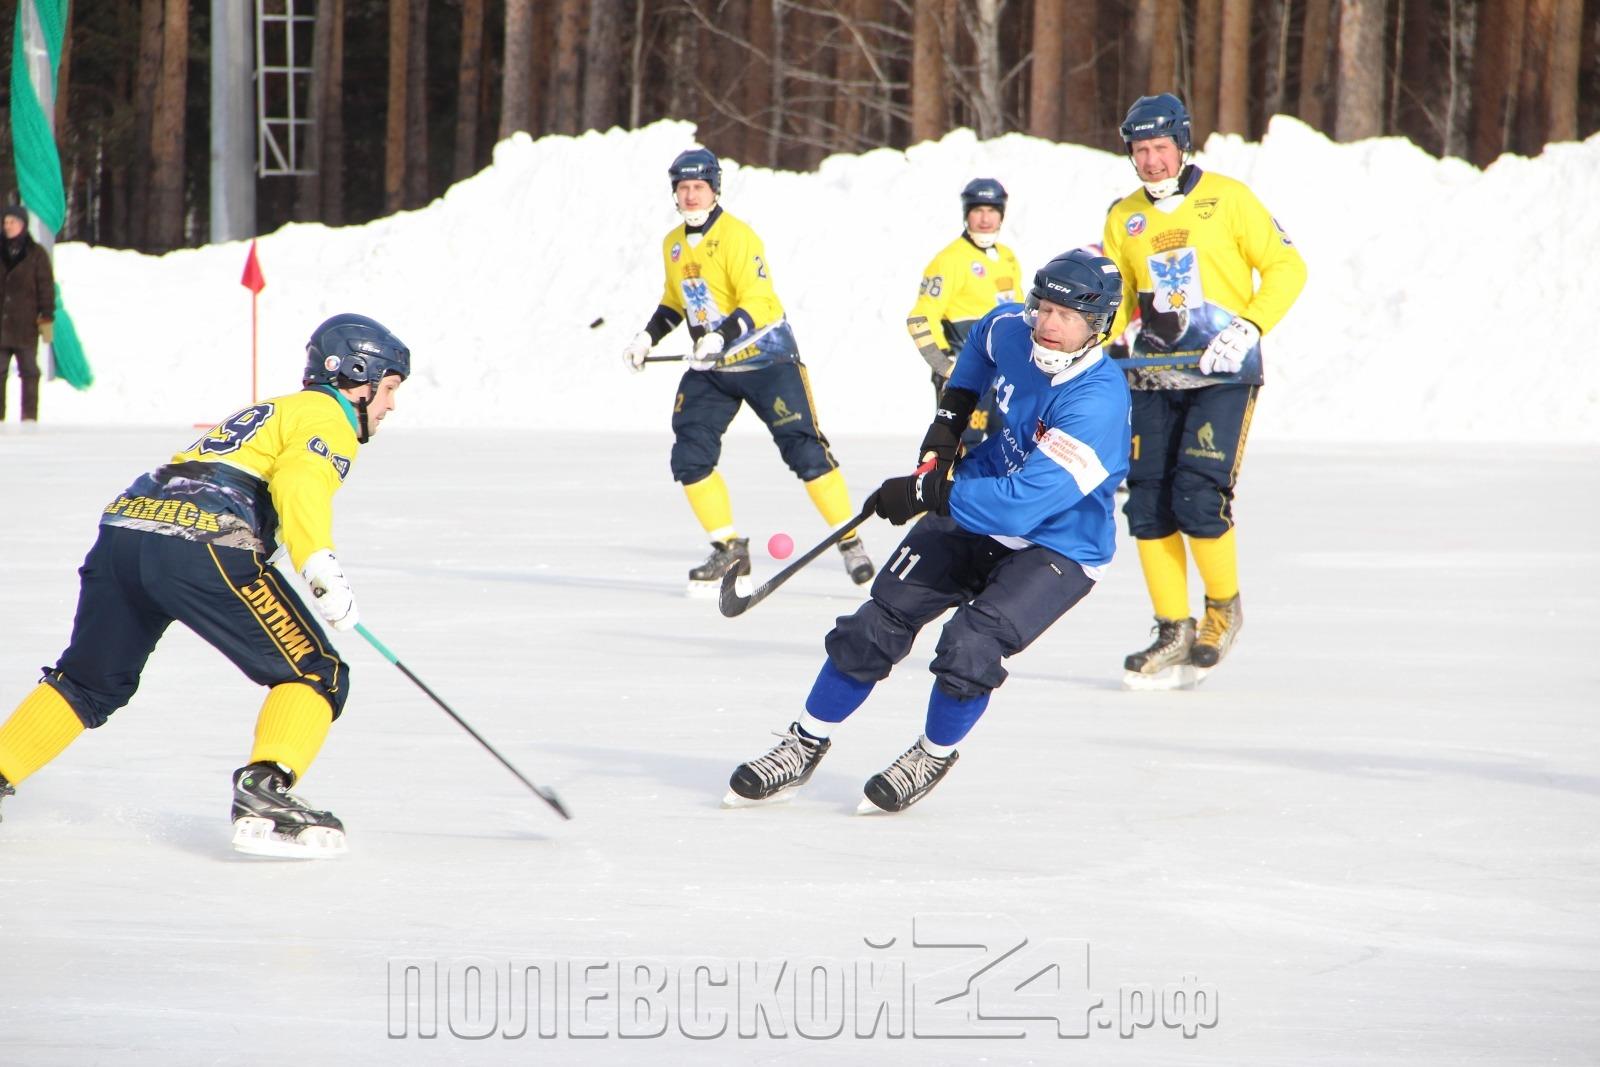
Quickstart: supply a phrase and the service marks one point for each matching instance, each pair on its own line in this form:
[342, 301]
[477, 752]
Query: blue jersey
[1049, 475]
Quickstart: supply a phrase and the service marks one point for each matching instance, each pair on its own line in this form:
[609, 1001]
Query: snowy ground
[1372, 834]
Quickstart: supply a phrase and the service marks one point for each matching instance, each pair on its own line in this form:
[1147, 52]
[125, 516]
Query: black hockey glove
[903, 498]
[943, 438]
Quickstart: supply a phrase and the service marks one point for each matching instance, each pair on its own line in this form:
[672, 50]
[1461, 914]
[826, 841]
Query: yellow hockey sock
[293, 723]
[832, 498]
[709, 499]
[43, 725]
[1166, 575]
[1217, 560]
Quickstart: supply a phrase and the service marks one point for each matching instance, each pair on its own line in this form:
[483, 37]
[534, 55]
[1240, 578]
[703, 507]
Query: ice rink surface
[1370, 837]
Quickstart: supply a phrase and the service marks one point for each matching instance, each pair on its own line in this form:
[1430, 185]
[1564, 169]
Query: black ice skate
[1165, 664]
[779, 773]
[727, 557]
[1218, 630]
[6, 790]
[856, 560]
[906, 780]
[268, 820]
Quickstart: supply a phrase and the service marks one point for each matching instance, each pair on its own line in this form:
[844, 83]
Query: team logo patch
[977, 270]
[1205, 208]
[1134, 225]
[318, 445]
[342, 465]
[677, 250]
[1282, 234]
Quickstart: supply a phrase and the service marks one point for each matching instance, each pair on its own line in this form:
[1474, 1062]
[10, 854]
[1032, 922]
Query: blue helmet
[1083, 281]
[1158, 116]
[696, 163]
[351, 349]
[983, 192]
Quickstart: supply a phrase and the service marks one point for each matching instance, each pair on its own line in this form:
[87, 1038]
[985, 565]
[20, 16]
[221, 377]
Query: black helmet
[983, 192]
[696, 163]
[352, 349]
[1082, 281]
[1158, 116]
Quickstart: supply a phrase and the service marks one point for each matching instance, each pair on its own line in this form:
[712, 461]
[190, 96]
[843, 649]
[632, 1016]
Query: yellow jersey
[264, 475]
[1191, 269]
[722, 272]
[962, 285]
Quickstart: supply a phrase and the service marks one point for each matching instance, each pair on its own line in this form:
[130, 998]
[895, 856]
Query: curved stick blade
[729, 602]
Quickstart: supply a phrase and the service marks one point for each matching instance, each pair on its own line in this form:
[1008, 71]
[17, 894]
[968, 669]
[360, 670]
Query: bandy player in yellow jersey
[1189, 245]
[969, 278]
[188, 542]
[719, 282]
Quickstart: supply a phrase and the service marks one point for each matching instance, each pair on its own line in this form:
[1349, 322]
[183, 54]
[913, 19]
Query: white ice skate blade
[733, 800]
[1182, 676]
[713, 590]
[255, 837]
[867, 807]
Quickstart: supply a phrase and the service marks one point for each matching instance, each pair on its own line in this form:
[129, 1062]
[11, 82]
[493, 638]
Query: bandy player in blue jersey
[1012, 536]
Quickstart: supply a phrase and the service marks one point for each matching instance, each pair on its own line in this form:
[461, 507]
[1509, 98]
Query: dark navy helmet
[1158, 116]
[696, 163]
[1083, 281]
[983, 192]
[351, 349]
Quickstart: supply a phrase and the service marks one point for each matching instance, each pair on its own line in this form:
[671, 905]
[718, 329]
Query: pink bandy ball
[780, 546]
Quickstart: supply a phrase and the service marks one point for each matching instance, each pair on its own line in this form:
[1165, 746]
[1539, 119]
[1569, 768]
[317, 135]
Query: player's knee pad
[866, 645]
[695, 452]
[93, 705]
[971, 646]
[805, 455]
[1202, 507]
[333, 683]
[1148, 518]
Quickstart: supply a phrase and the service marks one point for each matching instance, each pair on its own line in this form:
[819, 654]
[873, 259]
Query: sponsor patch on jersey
[318, 445]
[1134, 225]
[1206, 208]
[340, 464]
[977, 270]
[1075, 457]
[677, 250]
[1282, 234]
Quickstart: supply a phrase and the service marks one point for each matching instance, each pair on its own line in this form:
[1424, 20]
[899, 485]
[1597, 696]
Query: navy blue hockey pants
[1187, 446]
[133, 585]
[780, 394]
[1004, 599]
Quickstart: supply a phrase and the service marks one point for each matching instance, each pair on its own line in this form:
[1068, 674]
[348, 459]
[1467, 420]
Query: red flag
[253, 279]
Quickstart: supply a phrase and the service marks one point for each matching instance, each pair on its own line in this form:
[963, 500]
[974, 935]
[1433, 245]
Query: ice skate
[6, 790]
[268, 820]
[856, 560]
[1218, 631]
[727, 557]
[778, 774]
[905, 781]
[1165, 664]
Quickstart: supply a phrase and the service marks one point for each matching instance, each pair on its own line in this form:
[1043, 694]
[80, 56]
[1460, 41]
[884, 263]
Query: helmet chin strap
[365, 433]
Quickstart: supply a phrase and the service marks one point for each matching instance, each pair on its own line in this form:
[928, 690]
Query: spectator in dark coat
[27, 308]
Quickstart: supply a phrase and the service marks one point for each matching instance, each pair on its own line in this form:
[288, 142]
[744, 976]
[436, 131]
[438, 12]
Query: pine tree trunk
[602, 59]
[1499, 35]
[1233, 87]
[318, 196]
[927, 72]
[1315, 76]
[986, 98]
[757, 89]
[1163, 76]
[166, 130]
[1046, 73]
[1080, 103]
[1360, 95]
[1136, 54]
[1562, 85]
[1275, 19]
[394, 154]
[516, 96]
[417, 154]
[1416, 75]
[146, 82]
[562, 103]
[469, 78]
[1207, 68]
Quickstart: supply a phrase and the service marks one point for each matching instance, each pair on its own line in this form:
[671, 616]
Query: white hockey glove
[707, 351]
[1225, 354]
[637, 349]
[334, 598]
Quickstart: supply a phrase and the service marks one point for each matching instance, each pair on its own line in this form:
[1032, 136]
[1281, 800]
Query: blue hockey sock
[834, 695]
[950, 718]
